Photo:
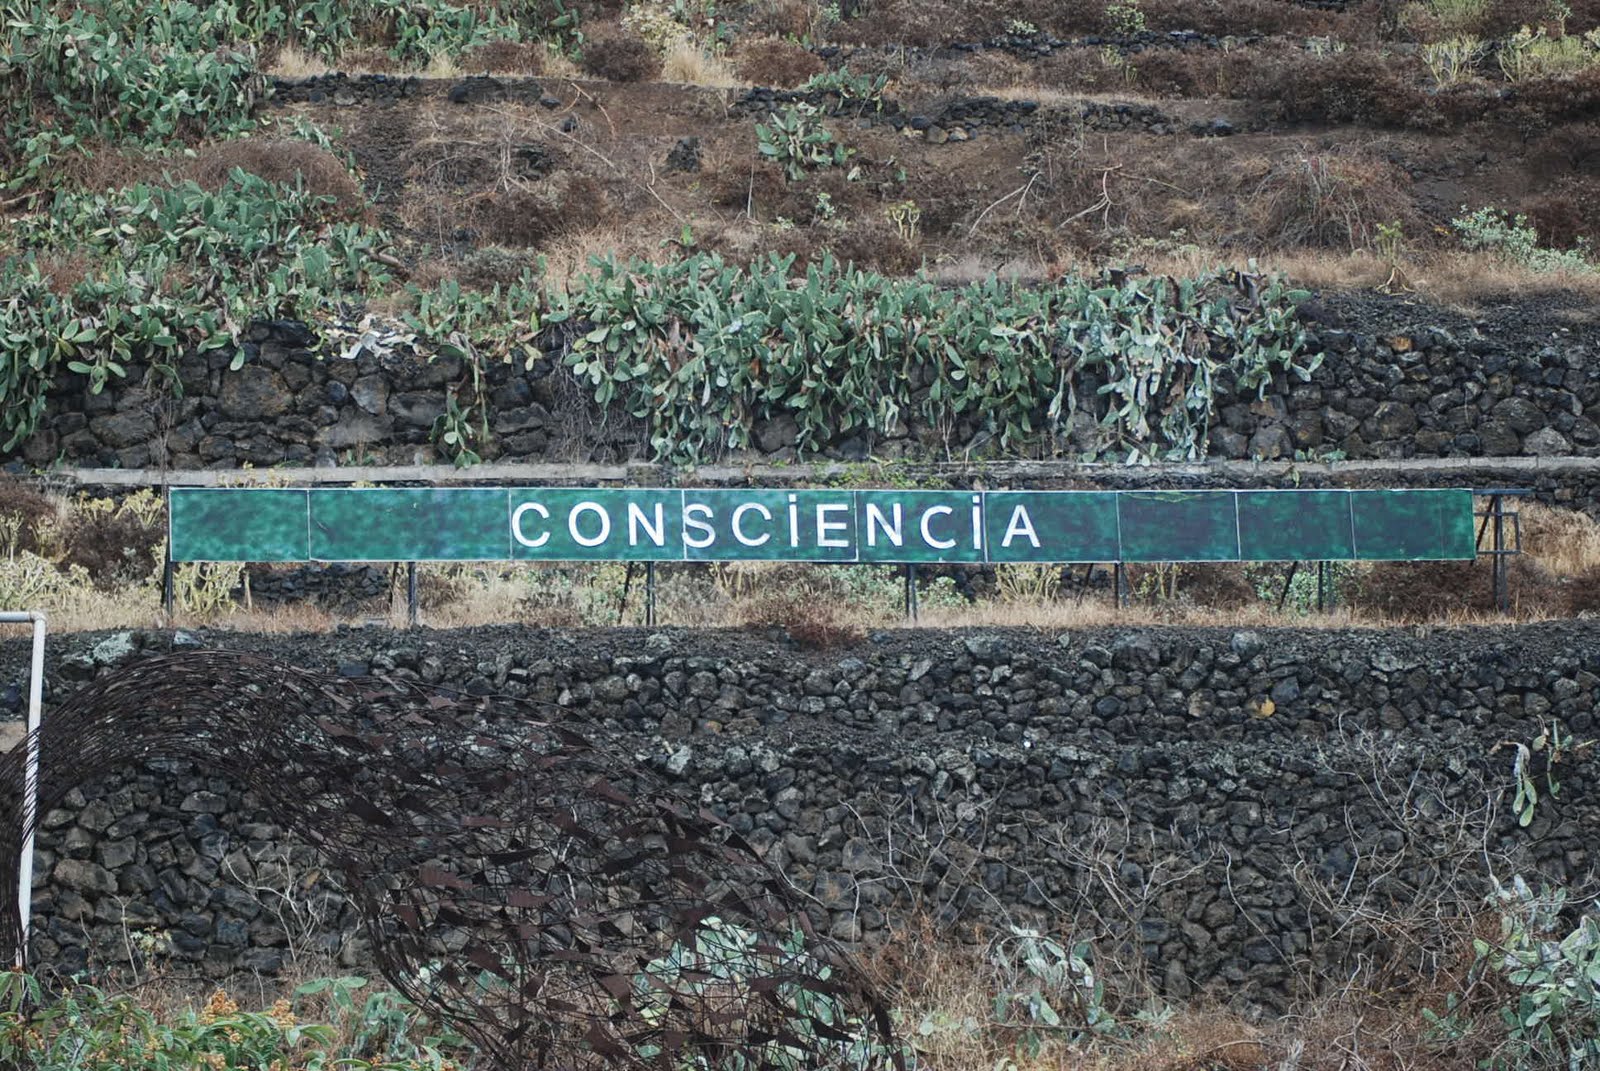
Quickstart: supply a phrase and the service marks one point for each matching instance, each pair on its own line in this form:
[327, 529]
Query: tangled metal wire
[551, 900]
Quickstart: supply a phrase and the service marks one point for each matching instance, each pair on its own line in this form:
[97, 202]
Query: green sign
[647, 524]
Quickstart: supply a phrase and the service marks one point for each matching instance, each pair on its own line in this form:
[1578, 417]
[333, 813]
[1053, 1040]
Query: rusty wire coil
[552, 900]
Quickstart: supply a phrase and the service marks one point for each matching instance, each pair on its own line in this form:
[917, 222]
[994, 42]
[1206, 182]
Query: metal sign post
[30, 794]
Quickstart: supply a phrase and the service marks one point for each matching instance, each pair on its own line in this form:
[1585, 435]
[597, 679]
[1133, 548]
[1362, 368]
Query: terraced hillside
[685, 231]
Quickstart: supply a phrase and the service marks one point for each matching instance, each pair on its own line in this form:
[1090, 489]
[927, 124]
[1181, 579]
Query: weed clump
[621, 58]
[770, 62]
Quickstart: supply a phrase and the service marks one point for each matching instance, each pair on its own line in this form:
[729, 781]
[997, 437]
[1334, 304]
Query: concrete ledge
[1450, 470]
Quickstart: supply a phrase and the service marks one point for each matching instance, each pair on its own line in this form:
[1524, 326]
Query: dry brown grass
[557, 64]
[1564, 541]
[1462, 279]
[687, 63]
[290, 62]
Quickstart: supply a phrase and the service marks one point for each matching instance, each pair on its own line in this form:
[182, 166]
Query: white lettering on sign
[927, 528]
[697, 516]
[738, 524]
[516, 524]
[893, 530]
[605, 524]
[1020, 525]
[637, 521]
[824, 526]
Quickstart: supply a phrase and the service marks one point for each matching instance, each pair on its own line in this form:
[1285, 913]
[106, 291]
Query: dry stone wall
[1408, 386]
[1232, 787]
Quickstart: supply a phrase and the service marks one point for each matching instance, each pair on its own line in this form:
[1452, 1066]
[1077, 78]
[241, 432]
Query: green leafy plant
[1552, 744]
[705, 352]
[171, 268]
[1540, 980]
[721, 956]
[1052, 992]
[81, 1028]
[864, 90]
[1454, 59]
[1535, 54]
[456, 434]
[797, 141]
[906, 216]
[1513, 239]
[1125, 17]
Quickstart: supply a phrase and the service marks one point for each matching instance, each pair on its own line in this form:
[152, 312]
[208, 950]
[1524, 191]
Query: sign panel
[238, 524]
[564, 524]
[815, 525]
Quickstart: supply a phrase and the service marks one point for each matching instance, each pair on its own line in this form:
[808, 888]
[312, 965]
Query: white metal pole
[30, 792]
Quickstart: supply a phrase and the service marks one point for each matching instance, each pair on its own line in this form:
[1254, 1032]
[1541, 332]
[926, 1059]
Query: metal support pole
[30, 789]
[650, 594]
[1322, 587]
[1502, 600]
[1283, 596]
[911, 591]
[1119, 584]
[411, 595]
[166, 567]
[627, 583]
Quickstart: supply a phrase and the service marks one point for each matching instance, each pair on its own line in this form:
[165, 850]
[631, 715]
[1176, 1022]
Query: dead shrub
[922, 23]
[63, 271]
[1541, 103]
[1562, 218]
[566, 204]
[1334, 199]
[1565, 541]
[1502, 18]
[830, 186]
[768, 61]
[1215, 585]
[1437, 591]
[504, 57]
[114, 548]
[31, 512]
[1572, 147]
[1351, 88]
[452, 162]
[1174, 72]
[756, 185]
[621, 57]
[813, 624]
[874, 245]
[491, 266]
[1224, 17]
[280, 160]
[784, 18]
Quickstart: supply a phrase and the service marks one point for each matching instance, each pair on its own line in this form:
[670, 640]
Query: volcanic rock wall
[1213, 801]
[1392, 389]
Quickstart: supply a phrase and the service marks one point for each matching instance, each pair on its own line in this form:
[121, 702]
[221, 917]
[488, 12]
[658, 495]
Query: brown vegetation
[24, 516]
[620, 57]
[504, 57]
[768, 61]
[286, 161]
